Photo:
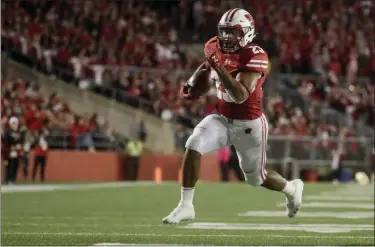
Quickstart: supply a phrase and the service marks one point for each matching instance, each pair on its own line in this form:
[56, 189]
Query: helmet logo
[250, 19]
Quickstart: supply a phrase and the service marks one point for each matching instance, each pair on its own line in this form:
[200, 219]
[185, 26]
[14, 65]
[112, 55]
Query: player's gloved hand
[213, 54]
[185, 93]
[231, 62]
[216, 58]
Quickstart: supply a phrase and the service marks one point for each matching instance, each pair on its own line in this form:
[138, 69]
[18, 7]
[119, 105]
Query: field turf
[127, 213]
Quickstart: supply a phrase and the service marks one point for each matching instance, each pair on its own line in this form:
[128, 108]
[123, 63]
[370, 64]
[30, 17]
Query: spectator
[28, 141]
[40, 158]
[337, 159]
[133, 152]
[142, 132]
[138, 130]
[12, 142]
[228, 160]
[234, 164]
[223, 156]
[181, 136]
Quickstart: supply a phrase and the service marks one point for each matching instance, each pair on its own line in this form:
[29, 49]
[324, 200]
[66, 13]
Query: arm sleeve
[210, 41]
[258, 63]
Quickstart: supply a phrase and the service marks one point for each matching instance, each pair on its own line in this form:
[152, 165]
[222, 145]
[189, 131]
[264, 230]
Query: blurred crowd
[323, 37]
[52, 117]
[77, 35]
[333, 37]
[329, 39]
[356, 101]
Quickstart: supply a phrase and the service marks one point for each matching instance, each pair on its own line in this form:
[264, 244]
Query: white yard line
[113, 220]
[335, 205]
[339, 198]
[178, 235]
[89, 224]
[303, 214]
[320, 228]
[349, 192]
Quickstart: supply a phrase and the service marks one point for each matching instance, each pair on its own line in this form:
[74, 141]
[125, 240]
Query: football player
[238, 67]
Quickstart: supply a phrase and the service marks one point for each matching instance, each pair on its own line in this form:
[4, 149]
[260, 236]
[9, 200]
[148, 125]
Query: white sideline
[53, 187]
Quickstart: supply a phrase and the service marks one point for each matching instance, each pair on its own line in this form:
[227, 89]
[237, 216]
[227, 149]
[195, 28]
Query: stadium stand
[309, 36]
[98, 52]
[53, 116]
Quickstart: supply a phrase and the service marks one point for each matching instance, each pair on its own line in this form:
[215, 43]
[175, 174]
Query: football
[201, 81]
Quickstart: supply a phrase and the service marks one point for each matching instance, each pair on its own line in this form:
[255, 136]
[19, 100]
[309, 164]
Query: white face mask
[230, 39]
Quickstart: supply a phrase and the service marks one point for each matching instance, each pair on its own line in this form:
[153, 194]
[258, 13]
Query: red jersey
[252, 58]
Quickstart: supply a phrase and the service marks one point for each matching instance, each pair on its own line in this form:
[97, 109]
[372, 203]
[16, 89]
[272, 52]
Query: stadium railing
[319, 151]
[91, 141]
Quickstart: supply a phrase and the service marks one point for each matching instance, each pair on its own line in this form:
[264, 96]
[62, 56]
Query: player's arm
[242, 86]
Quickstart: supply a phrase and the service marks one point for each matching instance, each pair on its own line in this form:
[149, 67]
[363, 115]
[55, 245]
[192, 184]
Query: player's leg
[292, 190]
[274, 181]
[251, 151]
[209, 135]
[190, 168]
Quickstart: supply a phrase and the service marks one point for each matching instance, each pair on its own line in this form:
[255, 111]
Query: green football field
[226, 214]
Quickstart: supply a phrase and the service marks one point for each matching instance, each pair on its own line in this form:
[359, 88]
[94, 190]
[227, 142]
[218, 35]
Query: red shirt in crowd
[34, 29]
[34, 120]
[63, 55]
[39, 151]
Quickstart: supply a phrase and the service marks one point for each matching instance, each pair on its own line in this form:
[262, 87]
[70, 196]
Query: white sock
[289, 188]
[187, 195]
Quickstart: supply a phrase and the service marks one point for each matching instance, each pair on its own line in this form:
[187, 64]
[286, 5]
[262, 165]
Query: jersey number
[221, 93]
[223, 96]
[256, 49]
